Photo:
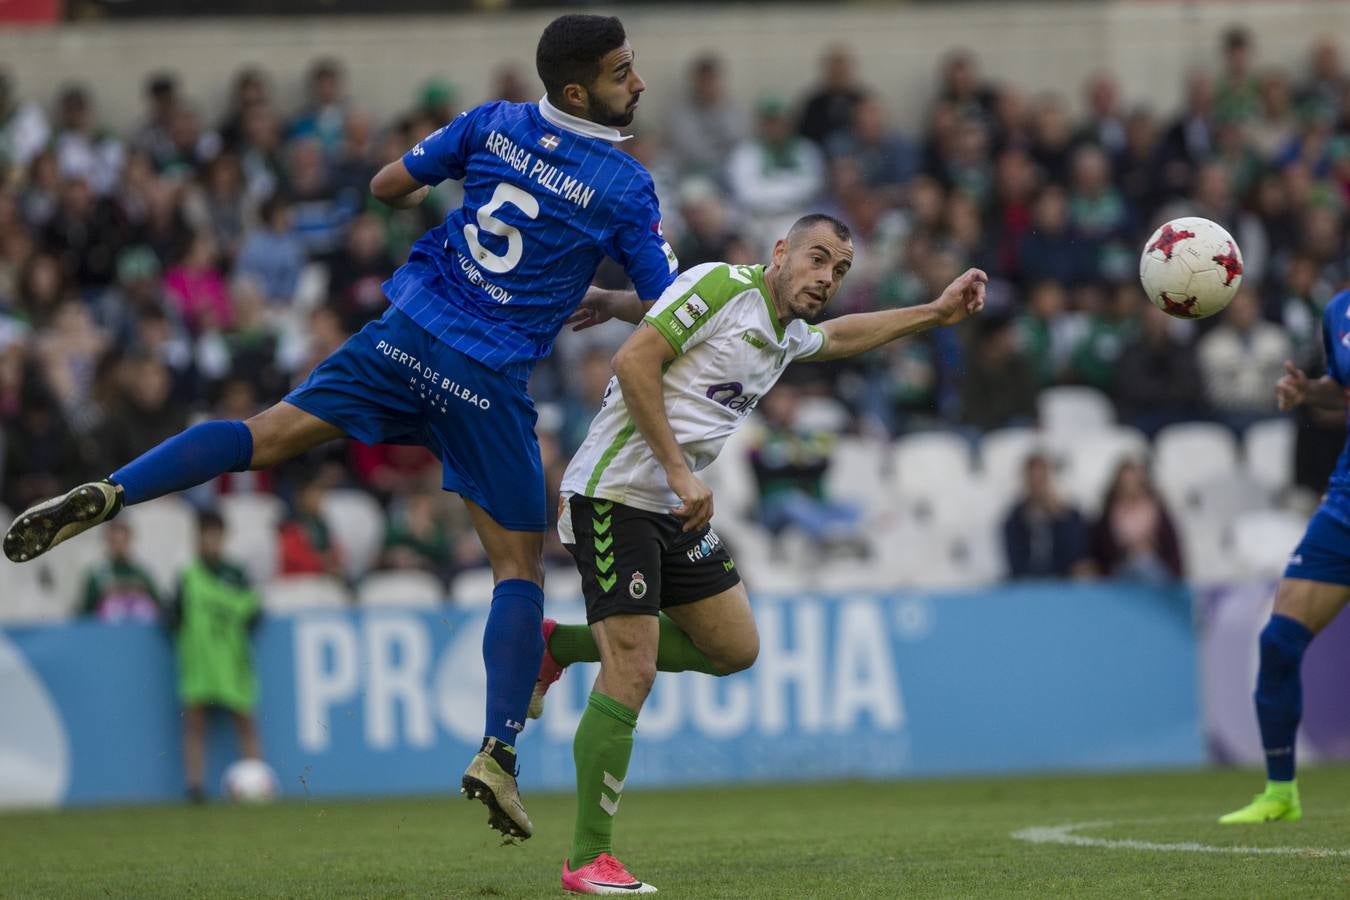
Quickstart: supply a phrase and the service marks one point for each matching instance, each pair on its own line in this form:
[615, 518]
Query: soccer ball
[1191, 268]
[250, 781]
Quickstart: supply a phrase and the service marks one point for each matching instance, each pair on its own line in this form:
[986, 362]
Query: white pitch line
[1065, 834]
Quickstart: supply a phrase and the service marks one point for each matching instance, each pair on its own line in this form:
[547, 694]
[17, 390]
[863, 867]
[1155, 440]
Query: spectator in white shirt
[777, 174]
[1241, 358]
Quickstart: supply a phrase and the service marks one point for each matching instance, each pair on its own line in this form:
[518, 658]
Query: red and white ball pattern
[1191, 268]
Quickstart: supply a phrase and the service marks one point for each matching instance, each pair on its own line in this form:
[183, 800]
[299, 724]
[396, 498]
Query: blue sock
[185, 460]
[1279, 692]
[513, 647]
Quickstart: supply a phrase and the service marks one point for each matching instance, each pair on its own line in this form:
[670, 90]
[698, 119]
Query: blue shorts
[393, 383]
[1324, 553]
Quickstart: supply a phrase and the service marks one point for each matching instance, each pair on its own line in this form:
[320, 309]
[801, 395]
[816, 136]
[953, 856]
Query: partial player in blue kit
[547, 195]
[1315, 587]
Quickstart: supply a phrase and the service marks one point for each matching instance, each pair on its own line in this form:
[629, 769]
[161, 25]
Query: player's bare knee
[739, 658]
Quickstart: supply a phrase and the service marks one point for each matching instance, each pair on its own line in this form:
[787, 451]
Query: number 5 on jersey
[515, 245]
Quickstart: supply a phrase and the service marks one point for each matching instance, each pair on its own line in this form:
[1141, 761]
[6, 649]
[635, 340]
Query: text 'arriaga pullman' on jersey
[547, 197]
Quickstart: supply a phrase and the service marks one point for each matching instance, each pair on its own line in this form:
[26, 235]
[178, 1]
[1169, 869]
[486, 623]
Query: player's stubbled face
[613, 97]
[813, 266]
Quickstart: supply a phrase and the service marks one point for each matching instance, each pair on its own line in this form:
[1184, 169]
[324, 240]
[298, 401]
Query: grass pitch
[950, 838]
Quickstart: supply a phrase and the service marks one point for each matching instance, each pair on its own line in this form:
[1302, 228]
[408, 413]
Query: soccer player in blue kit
[1315, 587]
[547, 195]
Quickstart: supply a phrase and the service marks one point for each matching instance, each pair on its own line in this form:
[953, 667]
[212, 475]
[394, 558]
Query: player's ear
[780, 251]
[576, 96]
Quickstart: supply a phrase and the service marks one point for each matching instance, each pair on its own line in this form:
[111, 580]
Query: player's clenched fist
[962, 298]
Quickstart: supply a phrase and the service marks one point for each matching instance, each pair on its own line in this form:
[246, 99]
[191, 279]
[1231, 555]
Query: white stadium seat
[1074, 408]
[562, 583]
[1088, 462]
[293, 593]
[856, 473]
[405, 589]
[1003, 452]
[1185, 453]
[1263, 540]
[929, 462]
[164, 533]
[26, 600]
[1268, 452]
[473, 588]
[251, 522]
[357, 523]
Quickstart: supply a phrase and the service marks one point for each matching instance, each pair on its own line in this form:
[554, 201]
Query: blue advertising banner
[1032, 677]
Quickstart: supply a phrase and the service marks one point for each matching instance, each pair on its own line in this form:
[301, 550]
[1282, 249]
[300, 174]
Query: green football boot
[1277, 803]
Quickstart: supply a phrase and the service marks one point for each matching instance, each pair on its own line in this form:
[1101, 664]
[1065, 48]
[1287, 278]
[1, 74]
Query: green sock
[601, 749]
[675, 651]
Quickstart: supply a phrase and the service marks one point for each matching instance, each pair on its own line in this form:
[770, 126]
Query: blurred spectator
[1104, 125]
[1043, 536]
[790, 462]
[775, 175]
[1237, 92]
[394, 470]
[704, 125]
[320, 215]
[325, 111]
[1111, 326]
[1190, 138]
[999, 385]
[144, 414]
[119, 589]
[250, 89]
[438, 101]
[1327, 81]
[307, 544]
[219, 205]
[1273, 121]
[1098, 215]
[1139, 167]
[886, 158]
[261, 149]
[272, 255]
[41, 452]
[1049, 332]
[213, 615]
[23, 131]
[84, 150]
[590, 386]
[960, 85]
[828, 110]
[510, 85]
[1158, 381]
[161, 103]
[1051, 248]
[86, 232]
[1241, 359]
[356, 274]
[418, 536]
[709, 230]
[196, 287]
[1134, 538]
[1052, 137]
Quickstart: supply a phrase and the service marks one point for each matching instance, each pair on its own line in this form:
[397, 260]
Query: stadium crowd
[187, 268]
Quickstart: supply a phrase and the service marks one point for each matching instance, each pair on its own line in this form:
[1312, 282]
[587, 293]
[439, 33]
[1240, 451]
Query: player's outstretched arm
[860, 332]
[639, 364]
[1295, 388]
[394, 186]
[601, 304]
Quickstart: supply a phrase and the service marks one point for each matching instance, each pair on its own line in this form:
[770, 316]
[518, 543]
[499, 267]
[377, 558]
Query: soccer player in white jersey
[662, 592]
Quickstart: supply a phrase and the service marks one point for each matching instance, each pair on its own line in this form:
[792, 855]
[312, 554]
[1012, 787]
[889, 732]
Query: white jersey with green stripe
[730, 349]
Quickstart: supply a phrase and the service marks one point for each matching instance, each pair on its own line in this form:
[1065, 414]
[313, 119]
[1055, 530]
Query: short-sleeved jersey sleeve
[688, 312]
[813, 343]
[638, 244]
[1333, 313]
[443, 153]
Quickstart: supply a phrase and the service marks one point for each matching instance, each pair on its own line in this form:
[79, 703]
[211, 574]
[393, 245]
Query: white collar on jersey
[577, 124]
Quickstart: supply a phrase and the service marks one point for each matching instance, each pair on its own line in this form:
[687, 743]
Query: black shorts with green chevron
[635, 562]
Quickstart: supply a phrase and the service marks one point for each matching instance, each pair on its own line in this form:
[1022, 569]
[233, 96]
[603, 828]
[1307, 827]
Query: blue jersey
[1336, 340]
[546, 197]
